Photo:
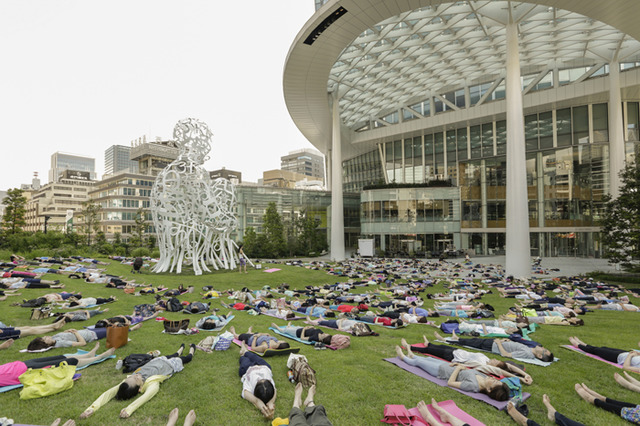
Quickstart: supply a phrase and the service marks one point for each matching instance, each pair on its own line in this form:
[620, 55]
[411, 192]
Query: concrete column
[518, 252]
[337, 208]
[616, 133]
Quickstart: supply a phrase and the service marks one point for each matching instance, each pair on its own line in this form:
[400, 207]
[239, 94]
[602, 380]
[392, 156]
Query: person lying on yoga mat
[258, 386]
[213, 321]
[145, 380]
[314, 335]
[48, 298]
[461, 356]
[11, 371]
[11, 333]
[552, 415]
[259, 342]
[458, 376]
[627, 410]
[313, 415]
[505, 347]
[629, 360]
[281, 313]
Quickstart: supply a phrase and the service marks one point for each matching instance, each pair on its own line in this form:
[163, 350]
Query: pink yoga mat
[450, 407]
[580, 351]
[271, 270]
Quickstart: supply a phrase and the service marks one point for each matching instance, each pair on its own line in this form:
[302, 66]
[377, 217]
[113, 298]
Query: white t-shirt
[469, 358]
[635, 361]
[253, 375]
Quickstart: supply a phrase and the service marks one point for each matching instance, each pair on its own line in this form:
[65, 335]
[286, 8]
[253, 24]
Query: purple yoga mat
[580, 351]
[500, 405]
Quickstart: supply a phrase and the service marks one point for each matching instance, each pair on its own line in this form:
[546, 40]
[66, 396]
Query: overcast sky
[80, 76]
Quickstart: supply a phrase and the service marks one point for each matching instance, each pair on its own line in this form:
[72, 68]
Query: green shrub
[140, 252]
[155, 253]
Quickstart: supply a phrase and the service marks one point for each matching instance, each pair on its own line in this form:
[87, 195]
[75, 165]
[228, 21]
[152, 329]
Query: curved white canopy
[382, 55]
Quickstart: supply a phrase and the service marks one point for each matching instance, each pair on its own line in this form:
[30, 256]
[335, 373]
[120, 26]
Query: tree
[274, 232]
[90, 215]
[249, 244]
[620, 224]
[310, 240]
[138, 230]
[14, 211]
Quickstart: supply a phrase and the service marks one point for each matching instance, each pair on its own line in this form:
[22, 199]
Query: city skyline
[79, 78]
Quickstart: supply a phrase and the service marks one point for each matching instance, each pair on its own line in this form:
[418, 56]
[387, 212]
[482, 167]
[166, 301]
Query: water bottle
[290, 377]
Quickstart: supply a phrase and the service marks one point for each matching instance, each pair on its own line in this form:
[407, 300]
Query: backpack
[174, 305]
[303, 373]
[134, 361]
[361, 329]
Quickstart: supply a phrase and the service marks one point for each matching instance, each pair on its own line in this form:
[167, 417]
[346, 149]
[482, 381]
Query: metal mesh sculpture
[193, 216]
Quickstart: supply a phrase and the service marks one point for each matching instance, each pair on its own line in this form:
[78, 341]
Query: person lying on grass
[48, 298]
[313, 415]
[461, 356]
[11, 371]
[445, 416]
[81, 315]
[87, 301]
[627, 410]
[259, 342]
[19, 283]
[458, 376]
[11, 333]
[552, 415]
[505, 347]
[258, 386]
[145, 380]
[212, 322]
[70, 338]
[629, 360]
[312, 334]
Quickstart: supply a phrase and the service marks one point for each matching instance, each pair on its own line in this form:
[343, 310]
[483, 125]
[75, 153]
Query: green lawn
[353, 384]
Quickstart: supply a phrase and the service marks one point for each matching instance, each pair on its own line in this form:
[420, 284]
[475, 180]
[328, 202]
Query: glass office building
[415, 111]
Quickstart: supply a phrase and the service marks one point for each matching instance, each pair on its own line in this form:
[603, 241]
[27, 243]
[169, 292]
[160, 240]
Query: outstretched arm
[102, 400]
[257, 403]
[151, 390]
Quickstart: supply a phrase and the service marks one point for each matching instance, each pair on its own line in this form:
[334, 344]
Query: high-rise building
[153, 157]
[307, 162]
[118, 158]
[231, 175]
[319, 3]
[60, 161]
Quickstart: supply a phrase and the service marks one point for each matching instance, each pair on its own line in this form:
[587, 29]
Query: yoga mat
[500, 405]
[285, 319]
[580, 351]
[271, 270]
[288, 336]
[450, 407]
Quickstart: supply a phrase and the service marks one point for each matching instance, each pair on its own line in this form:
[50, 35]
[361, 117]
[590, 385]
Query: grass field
[353, 384]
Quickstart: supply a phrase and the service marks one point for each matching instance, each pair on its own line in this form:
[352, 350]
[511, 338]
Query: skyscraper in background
[308, 162]
[85, 167]
[117, 158]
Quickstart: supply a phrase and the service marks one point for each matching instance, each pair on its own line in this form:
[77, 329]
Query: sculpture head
[193, 139]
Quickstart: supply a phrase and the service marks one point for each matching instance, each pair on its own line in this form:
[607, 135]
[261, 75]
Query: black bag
[134, 361]
[174, 305]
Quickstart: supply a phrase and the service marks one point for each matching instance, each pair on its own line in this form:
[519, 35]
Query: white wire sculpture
[193, 215]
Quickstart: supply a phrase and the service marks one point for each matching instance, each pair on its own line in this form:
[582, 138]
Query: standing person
[242, 260]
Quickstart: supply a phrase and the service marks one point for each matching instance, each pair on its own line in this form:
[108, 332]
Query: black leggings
[441, 351]
[610, 354]
[612, 405]
[186, 359]
[482, 344]
[49, 361]
[560, 420]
